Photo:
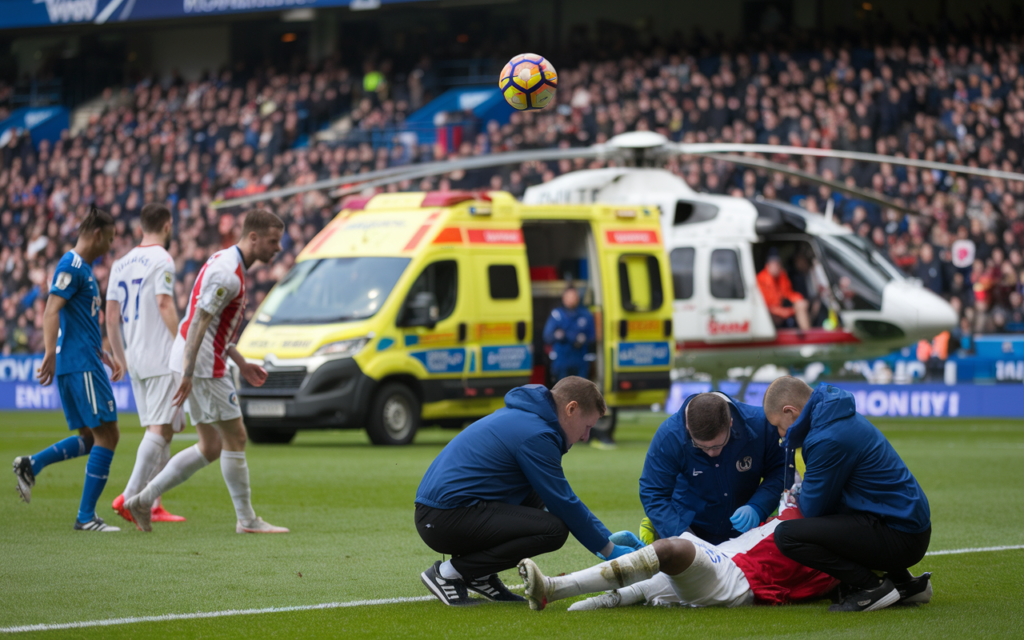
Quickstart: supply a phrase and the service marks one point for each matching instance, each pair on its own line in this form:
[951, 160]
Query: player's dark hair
[97, 219]
[707, 416]
[786, 390]
[154, 217]
[586, 394]
[261, 221]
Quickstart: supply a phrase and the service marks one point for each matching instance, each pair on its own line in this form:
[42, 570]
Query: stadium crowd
[190, 143]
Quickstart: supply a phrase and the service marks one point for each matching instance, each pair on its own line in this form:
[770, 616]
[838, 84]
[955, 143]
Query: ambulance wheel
[394, 415]
[271, 435]
[604, 430]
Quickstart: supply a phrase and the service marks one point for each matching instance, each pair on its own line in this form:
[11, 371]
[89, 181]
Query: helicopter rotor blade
[714, 147]
[384, 177]
[835, 185]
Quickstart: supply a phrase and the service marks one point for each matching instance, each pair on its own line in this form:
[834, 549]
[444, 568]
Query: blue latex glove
[627, 539]
[618, 551]
[745, 518]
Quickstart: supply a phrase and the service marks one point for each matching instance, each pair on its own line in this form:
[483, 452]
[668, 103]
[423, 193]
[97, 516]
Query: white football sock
[448, 571]
[236, 476]
[147, 463]
[178, 470]
[614, 574]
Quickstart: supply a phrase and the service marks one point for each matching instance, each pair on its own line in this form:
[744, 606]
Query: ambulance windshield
[332, 290]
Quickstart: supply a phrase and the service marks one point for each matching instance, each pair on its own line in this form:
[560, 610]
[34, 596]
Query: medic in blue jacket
[570, 331]
[863, 509]
[719, 487]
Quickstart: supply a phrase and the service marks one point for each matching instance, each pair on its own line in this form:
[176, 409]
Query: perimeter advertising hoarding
[891, 400]
[42, 13]
[19, 390]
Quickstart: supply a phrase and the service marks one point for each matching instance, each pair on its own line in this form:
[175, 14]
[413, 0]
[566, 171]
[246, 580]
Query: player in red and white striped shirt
[205, 340]
[688, 571]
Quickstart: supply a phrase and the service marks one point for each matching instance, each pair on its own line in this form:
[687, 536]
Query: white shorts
[154, 400]
[713, 580]
[213, 400]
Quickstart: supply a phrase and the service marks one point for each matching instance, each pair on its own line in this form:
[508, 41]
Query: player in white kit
[141, 316]
[204, 341]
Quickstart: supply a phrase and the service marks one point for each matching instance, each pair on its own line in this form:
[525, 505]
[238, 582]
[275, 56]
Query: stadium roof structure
[43, 13]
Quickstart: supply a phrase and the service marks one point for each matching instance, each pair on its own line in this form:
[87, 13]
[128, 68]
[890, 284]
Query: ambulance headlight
[343, 348]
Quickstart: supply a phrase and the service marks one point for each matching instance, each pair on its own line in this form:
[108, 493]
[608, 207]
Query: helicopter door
[733, 309]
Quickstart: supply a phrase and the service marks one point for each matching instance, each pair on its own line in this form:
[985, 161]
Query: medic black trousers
[849, 546]
[490, 536]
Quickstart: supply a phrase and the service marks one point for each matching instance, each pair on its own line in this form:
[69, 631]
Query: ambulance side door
[500, 347]
[440, 350]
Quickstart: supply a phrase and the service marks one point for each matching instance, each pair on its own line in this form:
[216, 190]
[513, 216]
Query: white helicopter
[718, 244]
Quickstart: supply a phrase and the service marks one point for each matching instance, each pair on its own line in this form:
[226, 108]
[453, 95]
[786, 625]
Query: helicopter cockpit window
[640, 283]
[682, 272]
[726, 279]
[691, 212]
[878, 260]
[855, 283]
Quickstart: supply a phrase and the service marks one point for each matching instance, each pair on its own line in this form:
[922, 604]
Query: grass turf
[349, 506]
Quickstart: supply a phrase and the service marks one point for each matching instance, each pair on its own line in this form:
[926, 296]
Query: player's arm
[113, 317]
[51, 327]
[196, 331]
[662, 470]
[253, 373]
[168, 312]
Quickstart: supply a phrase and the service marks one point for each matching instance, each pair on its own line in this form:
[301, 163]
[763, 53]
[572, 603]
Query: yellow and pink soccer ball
[528, 82]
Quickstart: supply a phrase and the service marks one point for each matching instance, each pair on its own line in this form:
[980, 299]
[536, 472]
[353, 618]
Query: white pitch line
[207, 614]
[951, 552]
[170, 617]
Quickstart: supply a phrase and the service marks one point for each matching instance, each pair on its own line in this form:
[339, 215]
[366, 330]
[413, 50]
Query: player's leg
[153, 399]
[483, 540]
[74, 399]
[692, 572]
[105, 434]
[235, 470]
[188, 461]
[614, 574]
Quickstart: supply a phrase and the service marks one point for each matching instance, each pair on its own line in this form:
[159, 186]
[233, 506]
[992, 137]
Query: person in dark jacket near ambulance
[863, 509]
[714, 468]
[496, 493]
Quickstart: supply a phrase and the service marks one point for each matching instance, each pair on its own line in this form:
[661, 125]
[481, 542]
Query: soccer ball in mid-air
[528, 82]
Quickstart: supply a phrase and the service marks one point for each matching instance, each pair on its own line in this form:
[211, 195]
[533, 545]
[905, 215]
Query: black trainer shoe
[451, 592]
[96, 524]
[916, 590]
[26, 479]
[880, 597]
[492, 588]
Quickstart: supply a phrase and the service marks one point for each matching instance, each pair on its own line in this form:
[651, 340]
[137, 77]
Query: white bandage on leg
[147, 463]
[614, 574]
[236, 475]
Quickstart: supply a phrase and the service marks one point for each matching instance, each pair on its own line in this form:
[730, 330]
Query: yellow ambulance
[426, 308]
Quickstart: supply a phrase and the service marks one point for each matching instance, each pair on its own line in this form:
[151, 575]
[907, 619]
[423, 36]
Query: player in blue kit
[74, 355]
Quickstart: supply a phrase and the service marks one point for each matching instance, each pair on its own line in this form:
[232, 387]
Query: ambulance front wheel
[394, 415]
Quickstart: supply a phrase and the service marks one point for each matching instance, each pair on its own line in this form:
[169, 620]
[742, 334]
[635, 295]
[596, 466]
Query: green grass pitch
[349, 506]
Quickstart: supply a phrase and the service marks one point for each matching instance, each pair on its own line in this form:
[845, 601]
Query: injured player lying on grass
[688, 571]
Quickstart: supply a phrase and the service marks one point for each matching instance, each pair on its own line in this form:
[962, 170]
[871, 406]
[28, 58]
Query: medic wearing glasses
[715, 468]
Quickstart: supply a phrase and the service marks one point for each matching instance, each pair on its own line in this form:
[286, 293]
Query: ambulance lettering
[442, 360]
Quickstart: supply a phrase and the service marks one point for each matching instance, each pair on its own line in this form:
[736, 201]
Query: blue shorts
[87, 398]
